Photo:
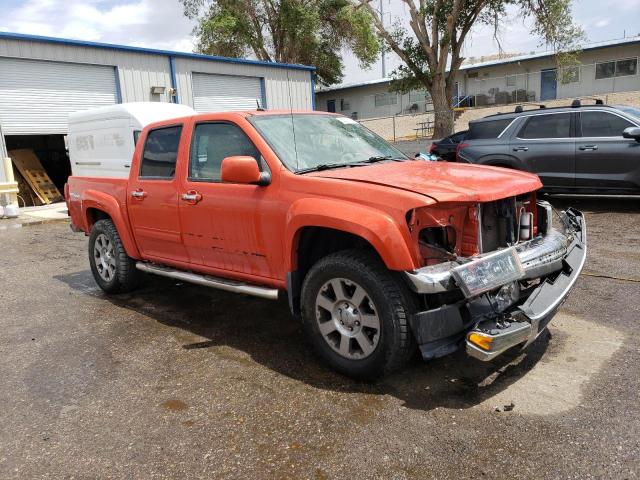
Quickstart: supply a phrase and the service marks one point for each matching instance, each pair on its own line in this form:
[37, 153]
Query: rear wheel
[113, 270]
[356, 314]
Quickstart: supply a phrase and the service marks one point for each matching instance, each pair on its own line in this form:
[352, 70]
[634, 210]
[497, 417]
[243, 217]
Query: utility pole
[384, 67]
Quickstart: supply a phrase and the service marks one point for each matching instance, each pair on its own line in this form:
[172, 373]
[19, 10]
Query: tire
[113, 270]
[328, 318]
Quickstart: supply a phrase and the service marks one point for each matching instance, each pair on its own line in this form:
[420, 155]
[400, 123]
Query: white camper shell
[102, 140]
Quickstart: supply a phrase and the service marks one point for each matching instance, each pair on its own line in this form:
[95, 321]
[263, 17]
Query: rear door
[152, 198]
[546, 146]
[604, 159]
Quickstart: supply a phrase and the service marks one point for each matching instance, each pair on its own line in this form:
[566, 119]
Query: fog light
[481, 341]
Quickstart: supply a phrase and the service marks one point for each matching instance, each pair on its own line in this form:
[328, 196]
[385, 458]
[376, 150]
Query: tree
[309, 32]
[432, 52]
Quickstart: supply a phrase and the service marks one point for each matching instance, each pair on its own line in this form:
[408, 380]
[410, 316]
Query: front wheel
[113, 270]
[356, 314]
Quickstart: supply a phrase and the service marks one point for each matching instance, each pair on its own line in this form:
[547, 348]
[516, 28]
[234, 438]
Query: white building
[606, 67]
[43, 79]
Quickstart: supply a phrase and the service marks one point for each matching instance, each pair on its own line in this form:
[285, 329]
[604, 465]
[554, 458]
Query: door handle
[521, 149]
[588, 147]
[192, 197]
[139, 194]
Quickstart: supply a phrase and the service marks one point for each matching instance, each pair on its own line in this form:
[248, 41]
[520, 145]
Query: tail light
[461, 146]
[433, 147]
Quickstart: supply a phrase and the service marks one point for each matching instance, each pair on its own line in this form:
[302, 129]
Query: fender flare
[375, 226]
[94, 199]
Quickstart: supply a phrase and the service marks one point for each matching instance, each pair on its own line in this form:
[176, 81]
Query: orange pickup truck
[379, 254]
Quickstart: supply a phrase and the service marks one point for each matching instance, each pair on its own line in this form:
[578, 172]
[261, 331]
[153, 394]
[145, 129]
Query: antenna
[293, 126]
[258, 107]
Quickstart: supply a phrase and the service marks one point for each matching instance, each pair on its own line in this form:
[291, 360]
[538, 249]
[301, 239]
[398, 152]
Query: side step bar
[208, 281]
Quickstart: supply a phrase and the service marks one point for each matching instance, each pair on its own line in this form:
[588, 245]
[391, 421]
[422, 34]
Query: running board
[208, 281]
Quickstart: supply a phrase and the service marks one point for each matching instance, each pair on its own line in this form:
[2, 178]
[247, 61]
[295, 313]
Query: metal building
[43, 79]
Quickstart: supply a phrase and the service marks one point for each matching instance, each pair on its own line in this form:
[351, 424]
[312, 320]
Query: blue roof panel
[150, 51]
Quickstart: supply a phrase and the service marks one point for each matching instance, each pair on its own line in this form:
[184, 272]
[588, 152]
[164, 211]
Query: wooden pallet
[43, 187]
[35, 175]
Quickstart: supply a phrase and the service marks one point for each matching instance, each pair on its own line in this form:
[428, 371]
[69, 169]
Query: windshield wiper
[329, 166]
[381, 158]
[324, 166]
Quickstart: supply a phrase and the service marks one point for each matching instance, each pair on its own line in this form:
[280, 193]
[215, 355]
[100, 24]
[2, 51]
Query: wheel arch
[504, 161]
[323, 227]
[101, 206]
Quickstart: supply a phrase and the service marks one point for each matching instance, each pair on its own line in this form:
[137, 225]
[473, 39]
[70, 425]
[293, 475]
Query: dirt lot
[180, 381]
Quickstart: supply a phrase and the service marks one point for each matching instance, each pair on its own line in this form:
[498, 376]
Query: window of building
[571, 75]
[416, 96]
[344, 105]
[161, 153]
[617, 68]
[212, 143]
[512, 80]
[547, 126]
[626, 67]
[488, 129]
[602, 124]
[384, 99]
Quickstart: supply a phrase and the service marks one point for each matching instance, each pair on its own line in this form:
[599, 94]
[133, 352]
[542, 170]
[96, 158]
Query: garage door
[217, 93]
[36, 97]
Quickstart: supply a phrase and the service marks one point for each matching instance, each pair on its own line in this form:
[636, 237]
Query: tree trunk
[444, 121]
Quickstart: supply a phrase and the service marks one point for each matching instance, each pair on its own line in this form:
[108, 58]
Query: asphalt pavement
[180, 381]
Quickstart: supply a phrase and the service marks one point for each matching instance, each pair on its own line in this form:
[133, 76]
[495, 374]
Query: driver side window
[212, 143]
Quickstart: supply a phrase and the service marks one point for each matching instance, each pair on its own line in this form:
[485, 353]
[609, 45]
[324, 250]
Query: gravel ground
[178, 381]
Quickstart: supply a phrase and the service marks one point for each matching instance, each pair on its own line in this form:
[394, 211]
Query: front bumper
[556, 258]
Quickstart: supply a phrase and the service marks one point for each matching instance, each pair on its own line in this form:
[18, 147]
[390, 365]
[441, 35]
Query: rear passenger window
[161, 153]
[602, 124]
[547, 126]
[212, 143]
[489, 129]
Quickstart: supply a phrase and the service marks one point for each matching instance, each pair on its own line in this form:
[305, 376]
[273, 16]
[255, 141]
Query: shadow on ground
[273, 338]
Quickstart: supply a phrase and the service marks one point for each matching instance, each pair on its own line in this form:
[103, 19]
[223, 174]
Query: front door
[545, 145]
[604, 159]
[224, 224]
[331, 106]
[548, 84]
[152, 197]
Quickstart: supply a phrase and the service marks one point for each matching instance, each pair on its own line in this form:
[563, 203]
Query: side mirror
[243, 169]
[632, 132]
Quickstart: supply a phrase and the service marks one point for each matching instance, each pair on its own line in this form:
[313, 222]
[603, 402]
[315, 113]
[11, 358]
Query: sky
[161, 24]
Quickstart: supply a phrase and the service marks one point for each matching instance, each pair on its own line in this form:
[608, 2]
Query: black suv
[581, 148]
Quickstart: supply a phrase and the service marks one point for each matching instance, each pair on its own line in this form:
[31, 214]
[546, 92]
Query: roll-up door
[37, 96]
[218, 93]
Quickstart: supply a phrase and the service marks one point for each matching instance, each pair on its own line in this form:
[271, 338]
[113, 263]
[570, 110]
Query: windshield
[629, 110]
[306, 142]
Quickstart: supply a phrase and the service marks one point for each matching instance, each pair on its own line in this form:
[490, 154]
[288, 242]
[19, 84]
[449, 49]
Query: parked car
[376, 252]
[581, 149]
[447, 147]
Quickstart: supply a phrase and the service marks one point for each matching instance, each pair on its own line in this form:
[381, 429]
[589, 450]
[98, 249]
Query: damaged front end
[500, 287]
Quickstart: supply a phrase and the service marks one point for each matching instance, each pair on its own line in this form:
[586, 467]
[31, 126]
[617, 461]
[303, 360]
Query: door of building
[548, 84]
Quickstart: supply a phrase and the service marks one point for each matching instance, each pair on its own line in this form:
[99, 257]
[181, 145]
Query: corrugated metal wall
[138, 72]
[281, 84]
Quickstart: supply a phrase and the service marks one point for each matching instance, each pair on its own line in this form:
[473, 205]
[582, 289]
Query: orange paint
[251, 232]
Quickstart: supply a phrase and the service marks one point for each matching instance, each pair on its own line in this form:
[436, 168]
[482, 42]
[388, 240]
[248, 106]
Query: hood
[442, 181]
